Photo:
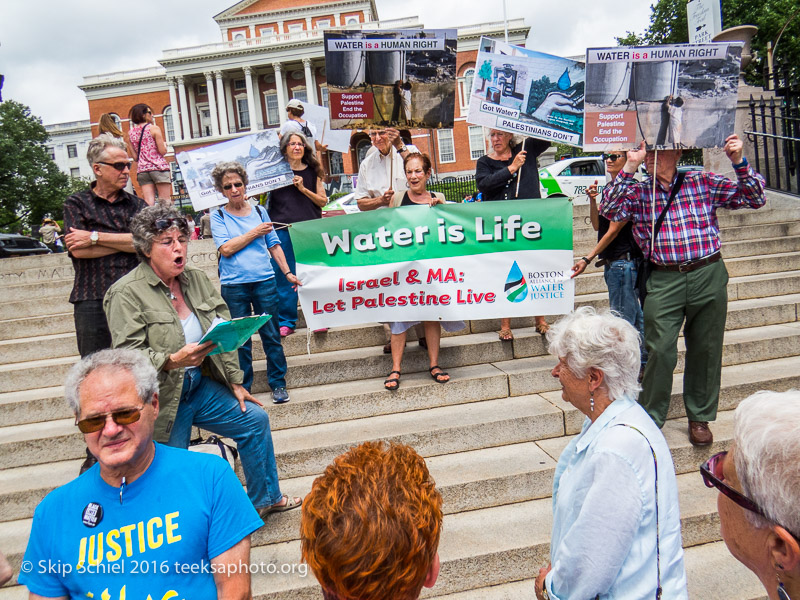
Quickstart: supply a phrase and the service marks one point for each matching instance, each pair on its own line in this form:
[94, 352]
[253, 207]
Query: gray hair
[516, 138]
[143, 226]
[223, 169]
[98, 145]
[587, 338]
[767, 449]
[133, 361]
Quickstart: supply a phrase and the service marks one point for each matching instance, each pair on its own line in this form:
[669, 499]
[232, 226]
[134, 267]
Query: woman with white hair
[616, 520]
[759, 484]
[503, 175]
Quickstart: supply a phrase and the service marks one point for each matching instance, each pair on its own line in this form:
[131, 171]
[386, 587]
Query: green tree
[485, 73]
[31, 185]
[668, 25]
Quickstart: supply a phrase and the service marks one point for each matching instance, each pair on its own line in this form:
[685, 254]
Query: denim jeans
[623, 298]
[245, 299]
[91, 327]
[287, 296]
[210, 405]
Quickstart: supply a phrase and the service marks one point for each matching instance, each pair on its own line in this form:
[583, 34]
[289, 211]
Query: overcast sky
[46, 48]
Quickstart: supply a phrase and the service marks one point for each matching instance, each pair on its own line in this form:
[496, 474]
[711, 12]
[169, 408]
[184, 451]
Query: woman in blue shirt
[245, 239]
[616, 520]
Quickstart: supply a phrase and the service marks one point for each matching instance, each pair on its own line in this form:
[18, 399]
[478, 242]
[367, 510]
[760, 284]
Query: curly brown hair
[370, 525]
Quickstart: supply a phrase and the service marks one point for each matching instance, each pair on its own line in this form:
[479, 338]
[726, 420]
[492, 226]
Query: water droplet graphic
[564, 81]
[516, 288]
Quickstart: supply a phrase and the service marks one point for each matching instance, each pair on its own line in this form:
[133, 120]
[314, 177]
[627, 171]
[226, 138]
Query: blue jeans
[287, 296]
[620, 276]
[210, 405]
[263, 298]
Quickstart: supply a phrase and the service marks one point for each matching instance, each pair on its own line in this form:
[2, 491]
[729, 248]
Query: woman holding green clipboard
[162, 308]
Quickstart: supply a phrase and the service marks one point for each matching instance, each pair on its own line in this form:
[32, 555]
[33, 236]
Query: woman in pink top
[147, 148]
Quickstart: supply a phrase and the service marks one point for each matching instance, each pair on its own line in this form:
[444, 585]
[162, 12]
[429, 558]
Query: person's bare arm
[32, 596]
[80, 245]
[594, 216]
[158, 137]
[276, 252]
[614, 227]
[6, 571]
[368, 203]
[233, 245]
[233, 582]
[318, 197]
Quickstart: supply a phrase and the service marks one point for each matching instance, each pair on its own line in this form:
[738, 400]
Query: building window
[75, 172]
[238, 36]
[273, 115]
[178, 186]
[202, 89]
[266, 31]
[361, 150]
[239, 85]
[477, 143]
[72, 151]
[351, 21]
[447, 150]
[295, 27]
[323, 23]
[323, 95]
[51, 152]
[168, 126]
[244, 113]
[466, 89]
[300, 93]
[336, 163]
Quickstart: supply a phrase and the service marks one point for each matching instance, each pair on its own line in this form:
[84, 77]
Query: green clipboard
[230, 335]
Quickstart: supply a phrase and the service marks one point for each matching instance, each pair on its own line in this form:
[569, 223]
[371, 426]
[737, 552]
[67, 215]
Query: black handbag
[643, 273]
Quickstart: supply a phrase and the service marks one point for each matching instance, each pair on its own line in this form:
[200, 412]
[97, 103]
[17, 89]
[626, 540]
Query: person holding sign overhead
[246, 241]
[500, 175]
[162, 308]
[418, 171]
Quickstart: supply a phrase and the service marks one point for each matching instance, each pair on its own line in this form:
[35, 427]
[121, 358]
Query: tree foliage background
[31, 185]
[668, 25]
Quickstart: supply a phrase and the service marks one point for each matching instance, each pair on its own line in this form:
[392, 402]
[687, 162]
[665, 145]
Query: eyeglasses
[119, 166]
[237, 185]
[711, 471]
[612, 157]
[373, 134]
[164, 224]
[125, 416]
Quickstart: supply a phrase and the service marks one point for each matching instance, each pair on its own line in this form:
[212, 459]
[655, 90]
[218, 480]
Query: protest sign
[528, 92]
[260, 155]
[679, 96]
[450, 262]
[339, 141]
[403, 78]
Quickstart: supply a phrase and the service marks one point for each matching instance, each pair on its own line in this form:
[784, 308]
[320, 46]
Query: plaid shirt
[690, 229]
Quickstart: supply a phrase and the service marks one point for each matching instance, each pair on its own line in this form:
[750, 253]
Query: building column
[184, 109]
[194, 118]
[337, 18]
[311, 84]
[223, 112]
[308, 24]
[279, 88]
[176, 117]
[212, 103]
[251, 99]
[258, 104]
[280, 27]
[252, 32]
[232, 108]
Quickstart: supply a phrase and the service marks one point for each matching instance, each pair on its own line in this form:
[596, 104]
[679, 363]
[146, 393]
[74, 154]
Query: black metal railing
[455, 189]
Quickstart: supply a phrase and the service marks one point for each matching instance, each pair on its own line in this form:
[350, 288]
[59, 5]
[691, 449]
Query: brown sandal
[506, 335]
[542, 328]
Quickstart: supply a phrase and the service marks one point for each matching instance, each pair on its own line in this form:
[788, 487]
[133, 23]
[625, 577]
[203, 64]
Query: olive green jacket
[141, 316]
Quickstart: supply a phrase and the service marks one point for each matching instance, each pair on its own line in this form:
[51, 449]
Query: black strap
[655, 462]
[141, 138]
[675, 189]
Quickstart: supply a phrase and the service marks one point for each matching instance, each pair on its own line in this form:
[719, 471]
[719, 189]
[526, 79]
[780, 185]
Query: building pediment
[249, 8]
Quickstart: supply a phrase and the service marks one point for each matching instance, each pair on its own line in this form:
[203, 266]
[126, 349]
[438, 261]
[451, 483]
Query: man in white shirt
[381, 173]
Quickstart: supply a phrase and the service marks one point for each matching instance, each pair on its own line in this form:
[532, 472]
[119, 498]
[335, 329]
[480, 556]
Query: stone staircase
[491, 436]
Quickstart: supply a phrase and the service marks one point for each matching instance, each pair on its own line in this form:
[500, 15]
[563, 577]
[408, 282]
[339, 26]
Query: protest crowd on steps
[370, 525]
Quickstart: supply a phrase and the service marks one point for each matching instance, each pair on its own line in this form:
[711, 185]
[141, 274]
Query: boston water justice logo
[516, 287]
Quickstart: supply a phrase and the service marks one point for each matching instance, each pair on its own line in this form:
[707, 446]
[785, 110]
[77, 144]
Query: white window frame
[75, 172]
[352, 20]
[239, 35]
[466, 90]
[277, 114]
[451, 141]
[324, 23]
[266, 31]
[169, 126]
[236, 100]
[300, 93]
[324, 98]
[476, 152]
[294, 28]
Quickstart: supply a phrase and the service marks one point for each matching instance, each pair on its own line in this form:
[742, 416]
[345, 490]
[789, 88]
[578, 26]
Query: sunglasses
[119, 166]
[125, 416]
[237, 185]
[612, 157]
[164, 224]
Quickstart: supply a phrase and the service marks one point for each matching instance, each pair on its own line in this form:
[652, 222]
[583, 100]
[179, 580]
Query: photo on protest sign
[401, 78]
[338, 141]
[679, 96]
[260, 155]
[523, 91]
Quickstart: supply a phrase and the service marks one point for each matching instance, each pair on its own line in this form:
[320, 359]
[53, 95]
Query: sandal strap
[434, 367]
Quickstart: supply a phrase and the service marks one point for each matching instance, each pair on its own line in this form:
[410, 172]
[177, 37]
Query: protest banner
[679, 96]
[527, 92]
[402, 78]
[338, 141]
[260, 155]
[449, 262]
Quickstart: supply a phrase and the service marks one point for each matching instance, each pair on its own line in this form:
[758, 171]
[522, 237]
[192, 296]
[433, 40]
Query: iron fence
[455, 189]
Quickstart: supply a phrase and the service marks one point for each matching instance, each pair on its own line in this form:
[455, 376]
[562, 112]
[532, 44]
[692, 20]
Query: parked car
[12, 244]
[344, 205]
[570, 178]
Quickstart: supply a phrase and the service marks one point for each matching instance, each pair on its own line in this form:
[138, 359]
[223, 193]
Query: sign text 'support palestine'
[450, 262]
[339, 45]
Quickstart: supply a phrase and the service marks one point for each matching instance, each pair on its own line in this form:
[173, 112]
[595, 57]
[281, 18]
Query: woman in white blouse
[616, 520]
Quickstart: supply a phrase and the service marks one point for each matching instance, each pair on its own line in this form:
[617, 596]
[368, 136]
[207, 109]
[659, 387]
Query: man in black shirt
[97, 226]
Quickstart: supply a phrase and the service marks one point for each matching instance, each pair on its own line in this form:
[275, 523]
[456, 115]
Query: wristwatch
[402, 148]
[94, 237]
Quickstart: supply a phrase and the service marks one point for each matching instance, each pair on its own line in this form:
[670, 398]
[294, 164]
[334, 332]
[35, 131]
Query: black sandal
[437, 377]
[387, 383]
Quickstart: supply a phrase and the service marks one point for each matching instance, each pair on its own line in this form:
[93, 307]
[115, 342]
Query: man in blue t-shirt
[147, 521]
